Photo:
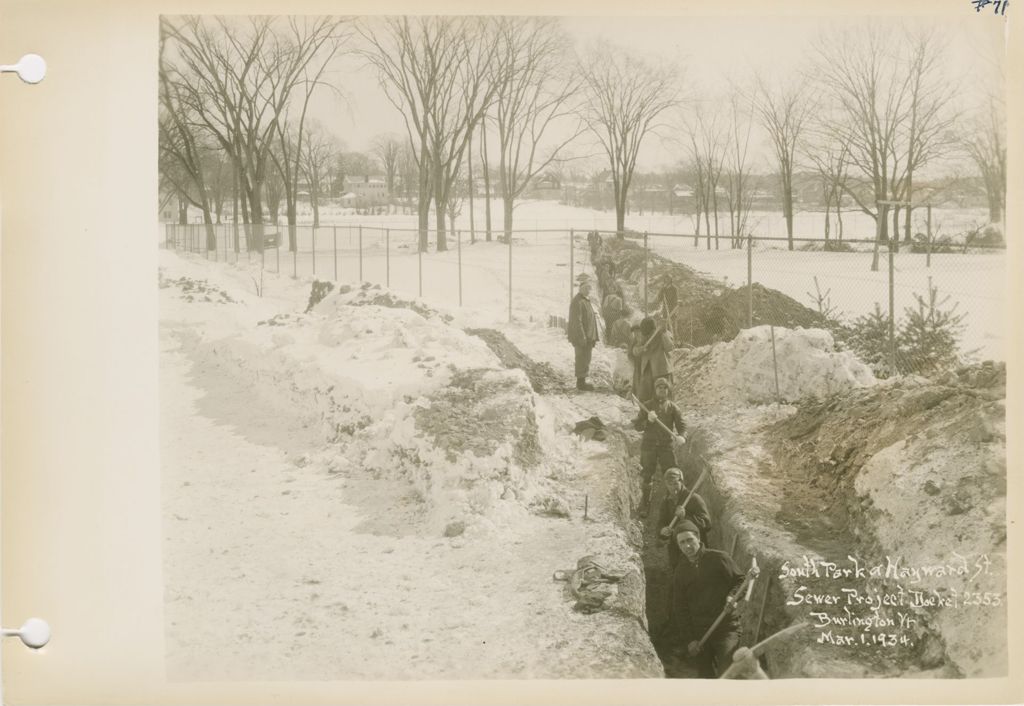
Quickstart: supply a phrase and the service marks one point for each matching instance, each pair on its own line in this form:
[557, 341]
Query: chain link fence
[856, 284]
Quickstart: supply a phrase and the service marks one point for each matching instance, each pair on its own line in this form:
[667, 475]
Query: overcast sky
[710, 51]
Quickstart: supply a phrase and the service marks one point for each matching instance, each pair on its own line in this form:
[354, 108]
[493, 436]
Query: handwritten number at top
[998, 6]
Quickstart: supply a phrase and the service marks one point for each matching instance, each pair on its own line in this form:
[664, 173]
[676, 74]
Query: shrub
[929, 339]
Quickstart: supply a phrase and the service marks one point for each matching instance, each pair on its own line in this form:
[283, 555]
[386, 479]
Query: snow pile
[396, 390]
[741, 371]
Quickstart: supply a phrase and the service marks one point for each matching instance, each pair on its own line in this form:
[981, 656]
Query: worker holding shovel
[705, 588]
[680, 504]
[662, 424]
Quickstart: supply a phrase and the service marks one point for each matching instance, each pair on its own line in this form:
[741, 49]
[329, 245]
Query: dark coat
[696, 512]
[699, 591]
[582, 329]
[669, 415]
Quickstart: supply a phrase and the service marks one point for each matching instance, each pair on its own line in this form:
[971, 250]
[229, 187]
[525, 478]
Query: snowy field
[476, 276]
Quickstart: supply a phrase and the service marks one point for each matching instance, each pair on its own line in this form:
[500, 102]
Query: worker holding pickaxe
[706, 586]
[681, 504]
[649, 353]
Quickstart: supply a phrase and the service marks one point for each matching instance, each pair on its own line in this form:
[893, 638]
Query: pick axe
[744, 660]
[686, 500]
[731, 601]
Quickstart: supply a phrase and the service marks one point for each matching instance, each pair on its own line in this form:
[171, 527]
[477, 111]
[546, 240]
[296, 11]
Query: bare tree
[434, 70]
[861, 72]
[737, 174]
[238, 77]
[928, 131]
[486, 164]
[302, 50]
[319, 151]
[388, 149]
[532, 94]
[984, 140]
[625, 98]
[784, 112]
[181, 149]
[830, 163]
[708, 138]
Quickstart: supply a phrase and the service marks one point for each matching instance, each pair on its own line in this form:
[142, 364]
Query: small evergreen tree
[929, 338]
[870, 340]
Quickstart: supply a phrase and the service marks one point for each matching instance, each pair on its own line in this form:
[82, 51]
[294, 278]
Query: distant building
[366, 187]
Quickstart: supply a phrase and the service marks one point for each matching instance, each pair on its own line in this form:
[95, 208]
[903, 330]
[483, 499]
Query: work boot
[583, 385]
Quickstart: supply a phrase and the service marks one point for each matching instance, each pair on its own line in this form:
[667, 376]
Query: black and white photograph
[522, 347]
[570, 353]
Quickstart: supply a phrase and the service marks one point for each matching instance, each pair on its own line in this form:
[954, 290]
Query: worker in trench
[672, 512]
[649, 351]
[702, 583]
[656, 446]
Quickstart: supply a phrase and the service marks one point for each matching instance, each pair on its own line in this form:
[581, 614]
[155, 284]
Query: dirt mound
[480, 411]
[913, 470]
[196, 290]
[543, 377]
[709, 311]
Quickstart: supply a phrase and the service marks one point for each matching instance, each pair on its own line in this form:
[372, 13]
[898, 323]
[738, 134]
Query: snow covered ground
[540, 270]
[313, 531]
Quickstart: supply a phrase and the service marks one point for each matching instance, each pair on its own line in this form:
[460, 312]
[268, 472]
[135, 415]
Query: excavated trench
[770, 496]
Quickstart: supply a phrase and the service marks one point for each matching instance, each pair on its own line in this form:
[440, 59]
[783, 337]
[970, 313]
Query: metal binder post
[35, 633]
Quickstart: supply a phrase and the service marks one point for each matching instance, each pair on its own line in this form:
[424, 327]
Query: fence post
[775, 365]
[360, 253]
[892, 311]
[572, 262]
[387, 258]
[458, 240]
[645, 271]
[750, 280]
[312, 233]
[928, 257]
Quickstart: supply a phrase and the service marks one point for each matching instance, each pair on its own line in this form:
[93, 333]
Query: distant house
[369, 188]
[348, 199]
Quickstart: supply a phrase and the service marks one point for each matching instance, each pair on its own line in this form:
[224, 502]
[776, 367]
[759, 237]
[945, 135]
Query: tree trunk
[291, 212]
[714, 204]
[508, 203]
[472, 188]
[234, 209]
[787, 208]
[423, 210]
[828, 213]
[895, 244]
[440, 206]
[314, 201]
[487, 181]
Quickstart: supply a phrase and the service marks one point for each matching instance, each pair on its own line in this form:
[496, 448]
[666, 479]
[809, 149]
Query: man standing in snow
[701, 585]
[656, 445]
[582, 331]
[696, 511]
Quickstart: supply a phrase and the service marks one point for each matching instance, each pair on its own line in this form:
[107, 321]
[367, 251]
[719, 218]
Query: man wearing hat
[701, 584]
[582, 331]
[656, 445]
[696, 511]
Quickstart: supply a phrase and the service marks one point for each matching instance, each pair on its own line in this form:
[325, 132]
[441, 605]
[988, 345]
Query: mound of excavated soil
[914, 470]
[709, 311]
[742, 371]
